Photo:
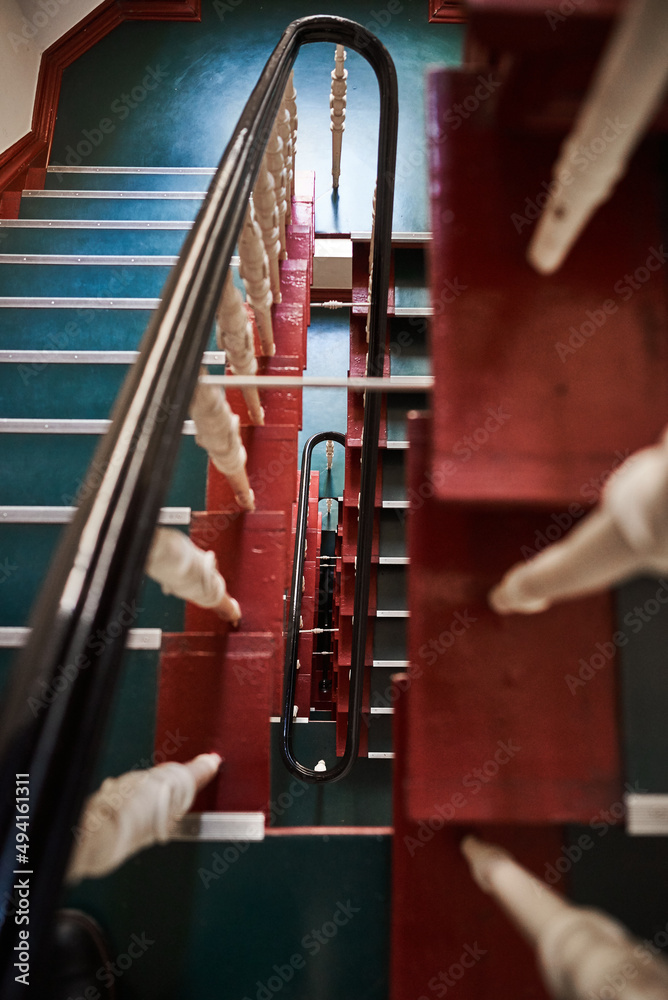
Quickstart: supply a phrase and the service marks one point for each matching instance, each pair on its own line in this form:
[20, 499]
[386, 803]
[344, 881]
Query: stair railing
[61, 689]
[292, 641]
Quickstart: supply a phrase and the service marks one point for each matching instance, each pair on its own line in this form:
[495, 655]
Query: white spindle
[285, 131]
[337, 105]
[218, 433]
[183, 569]
[133, 811]
[626, 93]
[276, 166]
[266, 213]
[254, 271]
[581, 952]
[235, 337]
[329, 452]
[626, 535]
[291, 104]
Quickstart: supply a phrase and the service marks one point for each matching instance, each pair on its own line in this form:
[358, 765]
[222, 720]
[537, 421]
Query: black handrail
[343, 766]
[55, 712]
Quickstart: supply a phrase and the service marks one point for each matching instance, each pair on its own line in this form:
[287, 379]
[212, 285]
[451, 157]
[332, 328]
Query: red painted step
[542, 384]
[447, 935]
[215, 690]
[220, 687]
[489, 688]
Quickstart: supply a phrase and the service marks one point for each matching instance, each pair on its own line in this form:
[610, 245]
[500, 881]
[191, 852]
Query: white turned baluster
[285, 132]
[187, 571]
[254, 270]
[276, 166]
[625, 95]
[218, 433]
[290, 99]
[371, 243]
[581, 952]
[235, 336]
[329, 452]
[337, 105]
[266, 213]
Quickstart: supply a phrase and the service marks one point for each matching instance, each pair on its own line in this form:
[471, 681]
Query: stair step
[218, 827]
[78, 237]
[393, 477]
[19, 425]
[27, 514]
[92, 206]
[89, 357]
[144, 195]
[63, 180]
[124, 280]
[111, 260]
[165, 171]
[74, 302]
[39, 472]
[409, 239]
[14, 637]
[95, 224]
[413, 310]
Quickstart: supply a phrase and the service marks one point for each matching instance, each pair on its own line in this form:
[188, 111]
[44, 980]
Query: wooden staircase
[224, 686]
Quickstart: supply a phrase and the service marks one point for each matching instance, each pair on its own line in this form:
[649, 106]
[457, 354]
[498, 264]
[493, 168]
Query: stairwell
[81, 270]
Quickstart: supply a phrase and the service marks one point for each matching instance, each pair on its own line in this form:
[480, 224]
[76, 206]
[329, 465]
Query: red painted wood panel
[496, 713]
[447, 935]
[271, 466]
[215, 690]
[543, 384]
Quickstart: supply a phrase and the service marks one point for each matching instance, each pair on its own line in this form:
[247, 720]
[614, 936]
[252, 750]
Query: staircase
[81, 270]
[388, 606]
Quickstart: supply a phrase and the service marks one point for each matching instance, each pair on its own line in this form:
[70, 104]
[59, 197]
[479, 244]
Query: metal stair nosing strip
[89, 357]
[14, 637]
[37, 425]
[90, 260]
[134, 171]
[130, 195]
[93, 224]
[392, 664]
[49, 302]
[37, 514]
